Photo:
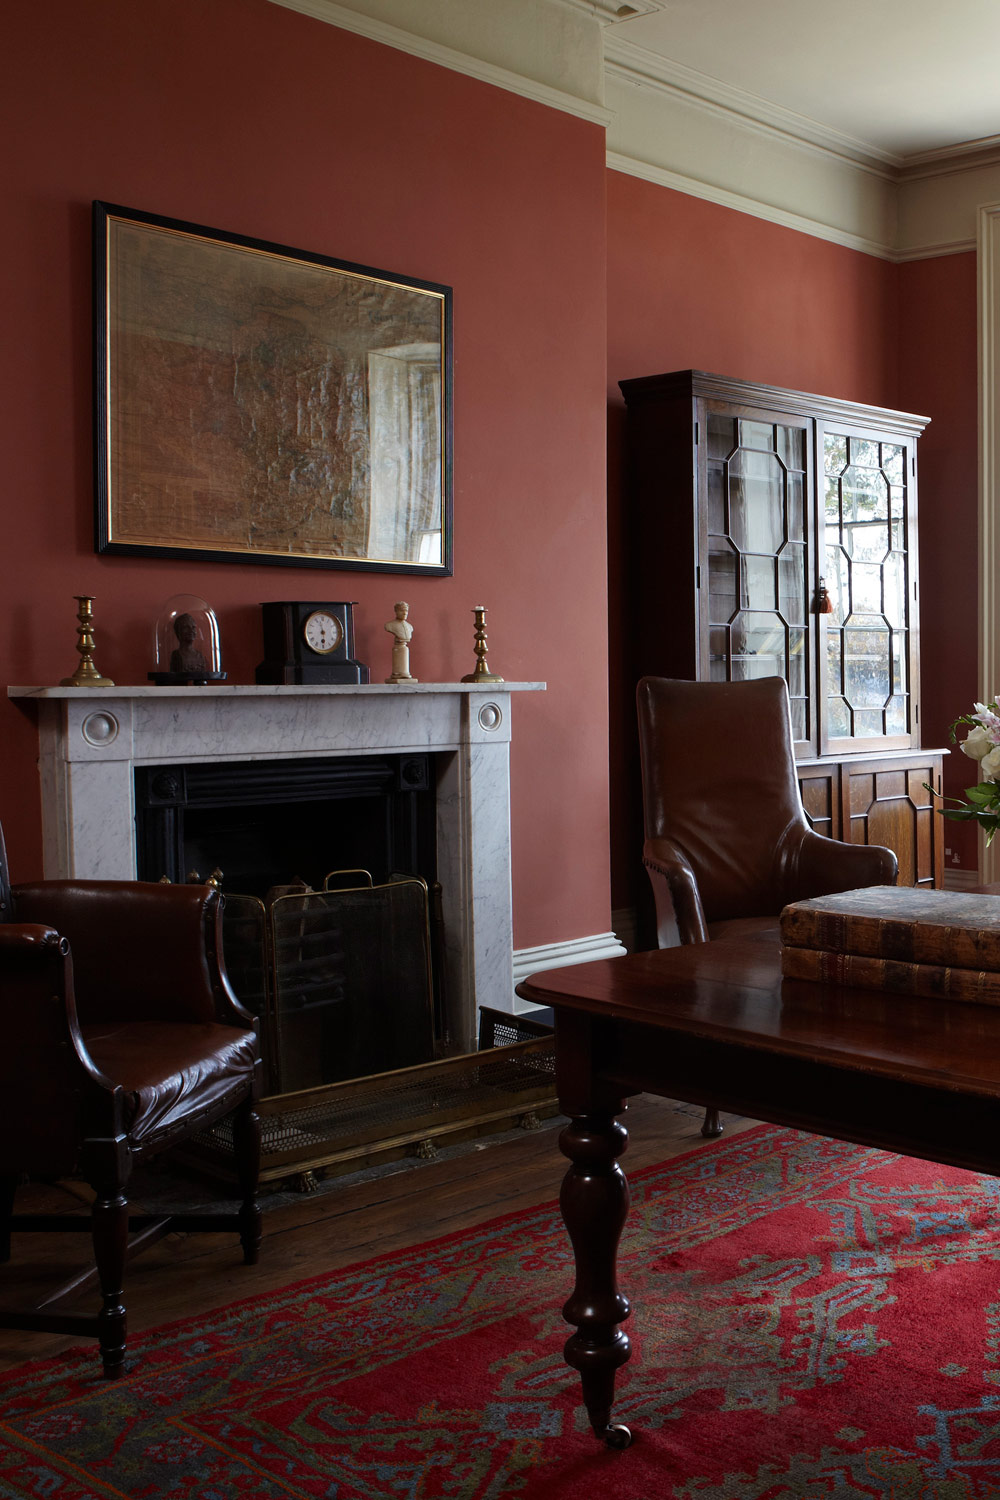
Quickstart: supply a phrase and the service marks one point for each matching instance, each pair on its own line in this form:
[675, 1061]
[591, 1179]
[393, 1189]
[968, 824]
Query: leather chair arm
[29, 940]
[46, 1072]
[679, 914]
[824, 866]
[141, 951]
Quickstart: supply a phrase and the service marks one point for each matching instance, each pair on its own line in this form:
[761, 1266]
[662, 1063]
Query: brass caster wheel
[616, 1435]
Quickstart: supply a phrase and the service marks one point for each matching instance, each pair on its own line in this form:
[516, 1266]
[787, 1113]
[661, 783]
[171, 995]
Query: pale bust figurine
[401, 631]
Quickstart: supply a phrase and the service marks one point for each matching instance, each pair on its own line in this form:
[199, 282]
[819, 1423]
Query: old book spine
[920, 942]
[861, 970]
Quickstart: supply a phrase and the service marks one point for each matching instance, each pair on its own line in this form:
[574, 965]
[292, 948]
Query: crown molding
[638, 65]
[695, 188]
[447, 57]
[648, 68]
[933, 251]
[966, 157]
[610, 12]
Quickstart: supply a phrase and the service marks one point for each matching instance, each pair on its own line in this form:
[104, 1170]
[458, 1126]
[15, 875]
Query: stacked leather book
[898, 938]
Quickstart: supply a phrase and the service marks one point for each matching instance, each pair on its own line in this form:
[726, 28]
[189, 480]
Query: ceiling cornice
[639, 65]
[728, 198]
[447, 57]
[965, 157]
[613, 12]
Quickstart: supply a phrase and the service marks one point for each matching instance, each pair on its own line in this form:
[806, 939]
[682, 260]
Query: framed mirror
[256, 403]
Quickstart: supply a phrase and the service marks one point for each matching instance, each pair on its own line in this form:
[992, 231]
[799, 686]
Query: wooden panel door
[887, 802]
[819, 785]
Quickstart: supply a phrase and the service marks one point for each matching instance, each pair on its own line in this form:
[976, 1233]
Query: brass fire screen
[342, 981]
[341, 978]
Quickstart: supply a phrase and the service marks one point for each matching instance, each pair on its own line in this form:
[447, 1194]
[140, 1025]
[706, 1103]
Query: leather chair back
[718, 776]
[109, 980]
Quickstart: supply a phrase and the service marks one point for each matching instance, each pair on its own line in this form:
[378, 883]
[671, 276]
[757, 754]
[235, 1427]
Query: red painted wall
[245, 116]
[938, 375]
[695, 285]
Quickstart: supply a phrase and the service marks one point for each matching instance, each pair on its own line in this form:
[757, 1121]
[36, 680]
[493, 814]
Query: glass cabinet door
[867, 689]
[756, 545]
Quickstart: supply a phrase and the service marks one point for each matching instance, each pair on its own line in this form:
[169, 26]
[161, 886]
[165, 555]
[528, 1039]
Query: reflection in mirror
[404, 416]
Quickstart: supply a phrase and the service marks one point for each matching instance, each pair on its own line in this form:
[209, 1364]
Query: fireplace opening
[271, 822]
[346, 984]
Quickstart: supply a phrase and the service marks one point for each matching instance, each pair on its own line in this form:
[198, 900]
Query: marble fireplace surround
[92, 739]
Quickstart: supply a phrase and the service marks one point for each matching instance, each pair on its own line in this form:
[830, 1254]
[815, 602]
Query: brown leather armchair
[727, 844]
[121, 1036]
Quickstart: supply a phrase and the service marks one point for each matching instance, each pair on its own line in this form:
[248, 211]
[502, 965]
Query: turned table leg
[594, 1202]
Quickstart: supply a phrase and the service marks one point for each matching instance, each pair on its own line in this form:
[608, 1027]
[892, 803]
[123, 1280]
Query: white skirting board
[557, 956]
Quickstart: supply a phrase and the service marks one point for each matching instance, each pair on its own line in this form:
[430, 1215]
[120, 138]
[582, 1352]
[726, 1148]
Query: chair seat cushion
[171, 1072]
[765, 928]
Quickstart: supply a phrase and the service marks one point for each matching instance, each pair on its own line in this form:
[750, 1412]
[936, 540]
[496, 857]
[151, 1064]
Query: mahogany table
[715, 1024]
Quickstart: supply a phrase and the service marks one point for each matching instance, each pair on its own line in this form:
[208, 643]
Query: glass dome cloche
[186, 643]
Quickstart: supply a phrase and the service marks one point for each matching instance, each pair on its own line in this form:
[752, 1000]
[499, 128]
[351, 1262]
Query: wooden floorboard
[349, 1219]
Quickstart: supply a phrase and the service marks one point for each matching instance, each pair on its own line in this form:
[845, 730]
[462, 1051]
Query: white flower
[978, 744]
[989, 766]
[986, 713]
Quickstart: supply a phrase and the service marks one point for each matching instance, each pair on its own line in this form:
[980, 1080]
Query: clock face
[322, 632]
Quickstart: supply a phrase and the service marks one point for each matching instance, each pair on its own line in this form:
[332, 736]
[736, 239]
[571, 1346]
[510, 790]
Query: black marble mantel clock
[311, 643]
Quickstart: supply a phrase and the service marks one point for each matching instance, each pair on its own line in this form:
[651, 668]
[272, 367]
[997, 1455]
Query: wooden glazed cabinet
[775, 534]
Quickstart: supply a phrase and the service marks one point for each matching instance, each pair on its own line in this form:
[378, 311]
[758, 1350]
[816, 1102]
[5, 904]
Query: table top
[732, 990]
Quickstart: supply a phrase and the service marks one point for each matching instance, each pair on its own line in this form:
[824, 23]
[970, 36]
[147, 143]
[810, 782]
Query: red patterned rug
[811, 1319]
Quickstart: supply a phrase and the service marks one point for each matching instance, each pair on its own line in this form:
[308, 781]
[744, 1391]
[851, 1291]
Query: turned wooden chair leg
[110, 1235]
[246, 1147]
[712, 1125]
[8, 1187]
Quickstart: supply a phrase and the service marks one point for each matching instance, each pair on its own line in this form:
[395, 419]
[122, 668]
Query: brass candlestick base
[482, 672]
[86, 674]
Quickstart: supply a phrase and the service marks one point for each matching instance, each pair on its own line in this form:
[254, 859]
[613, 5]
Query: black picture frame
[260, 404]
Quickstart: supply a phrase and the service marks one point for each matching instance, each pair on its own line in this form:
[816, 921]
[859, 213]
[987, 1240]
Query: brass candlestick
[86, 674]
[482, 672]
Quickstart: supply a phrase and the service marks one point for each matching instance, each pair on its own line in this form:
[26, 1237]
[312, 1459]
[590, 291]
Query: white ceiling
[900, 77]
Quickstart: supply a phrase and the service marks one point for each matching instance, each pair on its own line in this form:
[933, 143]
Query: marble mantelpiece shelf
[275, 690]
